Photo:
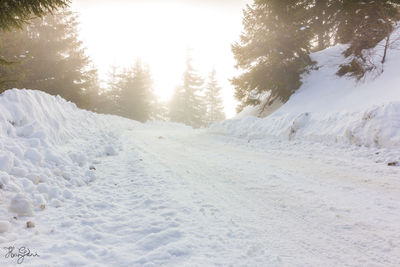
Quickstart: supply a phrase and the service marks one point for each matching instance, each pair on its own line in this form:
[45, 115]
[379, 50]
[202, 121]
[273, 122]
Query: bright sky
[117, 32]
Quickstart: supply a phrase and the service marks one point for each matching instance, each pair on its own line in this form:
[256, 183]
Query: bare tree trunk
[387, 43]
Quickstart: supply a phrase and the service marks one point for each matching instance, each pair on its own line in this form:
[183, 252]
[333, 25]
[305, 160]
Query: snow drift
[331, 109]
[47, 147]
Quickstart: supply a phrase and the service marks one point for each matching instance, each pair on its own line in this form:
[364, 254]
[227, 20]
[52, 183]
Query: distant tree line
[194, 104]
[45, 53]
[129, 93]
[279, 35]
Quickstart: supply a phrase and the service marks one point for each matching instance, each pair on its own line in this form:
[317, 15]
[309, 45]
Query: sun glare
[159, 35]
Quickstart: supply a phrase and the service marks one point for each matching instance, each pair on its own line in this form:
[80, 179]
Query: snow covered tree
[215, 108]
[187, 105]
[15, 13]
[273, 51]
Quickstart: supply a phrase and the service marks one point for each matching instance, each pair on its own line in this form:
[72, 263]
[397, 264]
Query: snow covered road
[178, 197]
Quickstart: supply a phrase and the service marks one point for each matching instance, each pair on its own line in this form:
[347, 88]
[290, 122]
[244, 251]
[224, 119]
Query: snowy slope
[333, 110]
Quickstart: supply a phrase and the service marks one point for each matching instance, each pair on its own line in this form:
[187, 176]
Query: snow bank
[378, 127]
[331, 109]
[47, 146]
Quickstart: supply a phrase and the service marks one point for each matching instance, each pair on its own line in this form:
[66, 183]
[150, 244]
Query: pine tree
[49, 57]
[187, 105]
[215, 109]
[136, 93]
[322, 16]
[274, 48]
[13, 55]
[319, 27]
[176, 105]
[159, 111]
[273, 51]
[14, 14]
[90, 96]
[109, 96]
[362, 25]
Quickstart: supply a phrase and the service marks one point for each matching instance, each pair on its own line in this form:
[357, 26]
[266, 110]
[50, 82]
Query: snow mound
[47, 146]
[331, 109]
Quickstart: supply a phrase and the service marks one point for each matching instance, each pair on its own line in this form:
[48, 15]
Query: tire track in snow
[193, 199]
[309, 219]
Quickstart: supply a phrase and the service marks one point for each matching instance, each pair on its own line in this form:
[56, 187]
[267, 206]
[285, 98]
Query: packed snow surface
[105, 191]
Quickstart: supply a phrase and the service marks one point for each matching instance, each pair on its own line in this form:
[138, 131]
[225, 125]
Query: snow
[330, 109]
[6, 162]
[4, 226]
[67, 194]
[110, 151]
[21, 205]
[324, 92]
[45, 151]
[309, 185]
[33, 155]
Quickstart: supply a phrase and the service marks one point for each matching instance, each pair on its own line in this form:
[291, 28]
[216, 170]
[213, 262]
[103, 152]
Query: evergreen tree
[159, 111]
[273, 50]
[136, 93]
[48, 56]
[187, 105]
[13, 55]
[112, 82]
[109, 96]
[278, 36]
[362, 25]
[90, 96]
[215, 109]
[323, 14]
[15, 13]
[176, 105]
[319, 25]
